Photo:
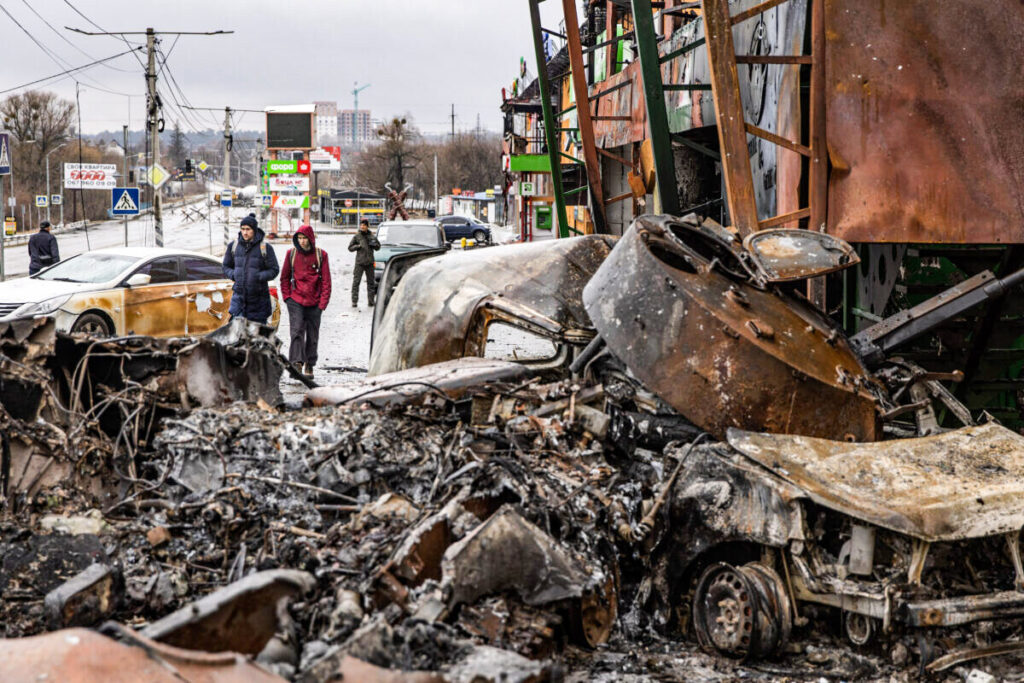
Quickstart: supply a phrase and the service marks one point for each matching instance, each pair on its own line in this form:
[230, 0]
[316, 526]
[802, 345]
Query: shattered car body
[898, 535]
[442, 307]
[145, 291]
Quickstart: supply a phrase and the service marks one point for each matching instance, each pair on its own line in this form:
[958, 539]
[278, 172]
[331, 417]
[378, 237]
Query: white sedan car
[124, 291]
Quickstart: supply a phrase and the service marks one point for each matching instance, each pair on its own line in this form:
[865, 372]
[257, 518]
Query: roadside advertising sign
[289, 166]
[298, 183]
[10, 225]
[325, 159]
[90, 176]
[297, 202]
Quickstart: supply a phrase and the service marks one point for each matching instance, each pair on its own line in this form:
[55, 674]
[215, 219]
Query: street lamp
[48, 195]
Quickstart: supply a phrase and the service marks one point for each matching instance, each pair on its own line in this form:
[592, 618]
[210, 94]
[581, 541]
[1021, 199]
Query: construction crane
[355, 107]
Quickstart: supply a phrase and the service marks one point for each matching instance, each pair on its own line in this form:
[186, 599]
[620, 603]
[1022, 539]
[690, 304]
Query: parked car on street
[402, 237]
[124, 291]
[457, 227]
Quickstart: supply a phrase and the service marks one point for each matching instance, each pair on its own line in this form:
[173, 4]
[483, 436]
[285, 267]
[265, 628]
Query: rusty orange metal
[674, 305]
[83, 656]
[924, 121]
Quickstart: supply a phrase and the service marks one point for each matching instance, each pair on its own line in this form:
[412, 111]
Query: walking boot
[308, 371]
[297, 364]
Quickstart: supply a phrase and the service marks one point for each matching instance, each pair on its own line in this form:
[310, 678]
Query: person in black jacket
[363, 243]
[42, 249]
[251, 264]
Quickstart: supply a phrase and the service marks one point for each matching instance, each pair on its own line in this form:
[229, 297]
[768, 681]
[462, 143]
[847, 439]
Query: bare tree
[38, 122]
[391, 158]
[467, 161]
[179, 147]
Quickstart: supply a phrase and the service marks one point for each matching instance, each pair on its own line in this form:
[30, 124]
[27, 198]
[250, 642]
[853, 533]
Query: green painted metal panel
[531, 163]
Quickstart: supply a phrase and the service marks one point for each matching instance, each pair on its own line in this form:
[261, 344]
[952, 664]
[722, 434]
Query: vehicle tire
[93, 325]
[480, 236]
[743, 613]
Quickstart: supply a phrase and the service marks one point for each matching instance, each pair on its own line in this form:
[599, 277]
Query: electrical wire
[59, 61]
[95, 25]
[68, 72]
[68, 41]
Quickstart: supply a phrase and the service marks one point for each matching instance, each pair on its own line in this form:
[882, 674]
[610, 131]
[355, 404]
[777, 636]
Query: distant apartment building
[326, 122]
[360, 121]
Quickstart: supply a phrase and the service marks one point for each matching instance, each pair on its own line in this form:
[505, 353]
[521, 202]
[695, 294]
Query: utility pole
[153, 105]
[437, 207]
[124, 131]
[227, 173]
[453, 120]
[154, 121]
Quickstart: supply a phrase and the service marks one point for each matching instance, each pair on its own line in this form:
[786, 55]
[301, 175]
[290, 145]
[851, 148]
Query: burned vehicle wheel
[741, 612]
[93, 325]
[859, 629]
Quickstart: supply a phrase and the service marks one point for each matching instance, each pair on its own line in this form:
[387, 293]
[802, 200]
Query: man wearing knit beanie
[251, 264]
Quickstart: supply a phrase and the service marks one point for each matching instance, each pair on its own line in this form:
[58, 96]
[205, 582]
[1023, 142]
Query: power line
[66, 40]
[68, 72]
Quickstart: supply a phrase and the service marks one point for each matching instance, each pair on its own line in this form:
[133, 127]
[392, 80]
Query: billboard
[325, 159]
[90, 176]
[288, 130]
[283, 183]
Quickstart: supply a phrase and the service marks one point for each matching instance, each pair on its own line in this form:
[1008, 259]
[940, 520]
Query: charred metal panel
[720, 351]
[962, 484]
[453, 377]
[433, 312]
[784, 254]
[924, 121]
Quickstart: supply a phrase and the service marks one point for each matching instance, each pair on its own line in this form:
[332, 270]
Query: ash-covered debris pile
[431, 543]
[75, 411]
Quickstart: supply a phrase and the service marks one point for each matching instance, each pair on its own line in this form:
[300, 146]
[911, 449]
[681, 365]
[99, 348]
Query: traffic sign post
[203, 166]
[5, 169]
[42, 201]
[124, 201]
[225, 197]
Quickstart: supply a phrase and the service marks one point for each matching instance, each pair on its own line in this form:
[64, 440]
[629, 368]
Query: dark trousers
[371, 284]
[304, 324]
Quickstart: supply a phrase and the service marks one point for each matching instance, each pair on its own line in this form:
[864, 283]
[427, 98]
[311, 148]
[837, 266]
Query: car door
[208, 294]
[456, 228]
[157, 309]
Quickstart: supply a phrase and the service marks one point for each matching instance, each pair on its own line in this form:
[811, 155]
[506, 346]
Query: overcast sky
[419, 56]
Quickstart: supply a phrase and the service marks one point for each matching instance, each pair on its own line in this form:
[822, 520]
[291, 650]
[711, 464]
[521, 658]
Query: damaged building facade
[773, 431]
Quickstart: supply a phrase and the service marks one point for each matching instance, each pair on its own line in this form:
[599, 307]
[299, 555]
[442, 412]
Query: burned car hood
[430, 316]
[965, 483]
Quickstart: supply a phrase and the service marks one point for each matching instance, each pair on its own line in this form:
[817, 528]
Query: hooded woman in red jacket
[306, 288]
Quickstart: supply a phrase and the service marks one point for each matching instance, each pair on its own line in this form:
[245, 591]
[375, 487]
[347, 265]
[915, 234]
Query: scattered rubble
[586, 519]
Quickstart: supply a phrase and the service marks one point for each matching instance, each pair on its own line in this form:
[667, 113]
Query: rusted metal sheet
[451, 377]
[785, 254]
[924, 114]
[720, 351]
[240, 617]
[962, 484]
[83, 656]
[769, 95]
[440, 309]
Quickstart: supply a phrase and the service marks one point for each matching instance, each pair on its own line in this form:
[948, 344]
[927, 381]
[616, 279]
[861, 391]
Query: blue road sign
[225, 198]
[124, 201]
[5, 154]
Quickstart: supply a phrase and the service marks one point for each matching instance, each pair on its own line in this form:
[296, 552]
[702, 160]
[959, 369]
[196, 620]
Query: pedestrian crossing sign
[5, 154]
[42, 201]
[124, 201]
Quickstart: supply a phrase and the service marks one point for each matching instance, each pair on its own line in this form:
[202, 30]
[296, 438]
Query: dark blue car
[457, 227]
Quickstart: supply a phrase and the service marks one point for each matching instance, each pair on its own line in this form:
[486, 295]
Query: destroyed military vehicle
[816, 473]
